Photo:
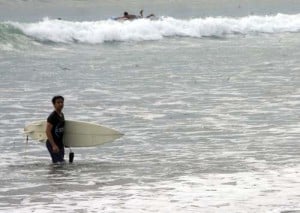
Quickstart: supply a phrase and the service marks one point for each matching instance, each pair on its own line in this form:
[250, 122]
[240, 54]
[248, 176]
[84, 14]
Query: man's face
[59, 104]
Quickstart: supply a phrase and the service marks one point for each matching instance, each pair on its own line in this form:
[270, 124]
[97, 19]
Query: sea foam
[93, 32]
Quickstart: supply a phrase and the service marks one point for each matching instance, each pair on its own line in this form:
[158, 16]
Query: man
[55, 131]
[128, 16]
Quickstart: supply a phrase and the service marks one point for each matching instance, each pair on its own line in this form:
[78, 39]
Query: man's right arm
[50, 138]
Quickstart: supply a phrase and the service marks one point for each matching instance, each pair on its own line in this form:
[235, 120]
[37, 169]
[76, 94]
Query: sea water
[207, 95]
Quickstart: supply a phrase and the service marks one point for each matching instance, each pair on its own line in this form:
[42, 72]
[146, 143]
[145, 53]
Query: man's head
[125, 14]
[58, 102]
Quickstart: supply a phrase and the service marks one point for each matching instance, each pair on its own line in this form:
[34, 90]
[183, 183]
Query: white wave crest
[145, 29]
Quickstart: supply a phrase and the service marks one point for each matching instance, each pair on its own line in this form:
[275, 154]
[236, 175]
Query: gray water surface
[211, 124]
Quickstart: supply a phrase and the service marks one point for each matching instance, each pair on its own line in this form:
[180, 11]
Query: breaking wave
[61, 31]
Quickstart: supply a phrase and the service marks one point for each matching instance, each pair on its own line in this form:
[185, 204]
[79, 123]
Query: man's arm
[50, 138]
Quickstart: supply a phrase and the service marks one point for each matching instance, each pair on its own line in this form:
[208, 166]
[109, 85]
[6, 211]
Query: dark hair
[125, 13]
[57, 97]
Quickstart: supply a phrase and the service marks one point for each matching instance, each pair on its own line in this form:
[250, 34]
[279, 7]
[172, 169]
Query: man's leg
[56, 157]
[60, 155]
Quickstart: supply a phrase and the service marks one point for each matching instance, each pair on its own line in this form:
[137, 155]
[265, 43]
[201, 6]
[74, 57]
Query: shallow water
[211, 123]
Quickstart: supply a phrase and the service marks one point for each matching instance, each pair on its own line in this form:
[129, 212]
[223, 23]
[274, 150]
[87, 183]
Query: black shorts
[56, 157]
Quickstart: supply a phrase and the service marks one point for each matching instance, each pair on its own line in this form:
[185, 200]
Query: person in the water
[128, 16]
[55, 131]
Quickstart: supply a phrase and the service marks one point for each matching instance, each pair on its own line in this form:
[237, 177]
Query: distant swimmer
[128, 16]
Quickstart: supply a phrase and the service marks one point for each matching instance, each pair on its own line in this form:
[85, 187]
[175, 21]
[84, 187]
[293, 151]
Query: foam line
[144, 29]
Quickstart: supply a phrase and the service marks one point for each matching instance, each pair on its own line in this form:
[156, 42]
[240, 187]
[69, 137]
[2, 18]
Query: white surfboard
[76, 133]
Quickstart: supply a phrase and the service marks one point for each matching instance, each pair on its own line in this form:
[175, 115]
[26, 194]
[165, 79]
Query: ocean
[207, 95]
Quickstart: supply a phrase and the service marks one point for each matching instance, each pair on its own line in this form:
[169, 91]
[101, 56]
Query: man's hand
[55, 149]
